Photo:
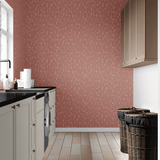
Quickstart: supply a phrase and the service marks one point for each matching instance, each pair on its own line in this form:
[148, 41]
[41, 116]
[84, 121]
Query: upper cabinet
[139, 33]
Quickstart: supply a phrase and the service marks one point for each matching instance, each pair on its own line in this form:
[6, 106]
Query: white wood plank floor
[85, 146]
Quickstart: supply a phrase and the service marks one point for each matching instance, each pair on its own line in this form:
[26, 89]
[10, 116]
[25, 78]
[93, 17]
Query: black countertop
[14, 95]
[48, 87]
[34, 89]
[7, 98]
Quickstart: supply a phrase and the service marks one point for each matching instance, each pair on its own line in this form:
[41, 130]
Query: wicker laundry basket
[142, 136]
[123, 134]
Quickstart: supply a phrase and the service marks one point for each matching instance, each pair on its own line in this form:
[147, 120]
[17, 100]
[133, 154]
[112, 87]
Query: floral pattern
[75, 45]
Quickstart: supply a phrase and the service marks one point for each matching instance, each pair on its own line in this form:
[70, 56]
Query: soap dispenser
[6, 83]
[15, 84]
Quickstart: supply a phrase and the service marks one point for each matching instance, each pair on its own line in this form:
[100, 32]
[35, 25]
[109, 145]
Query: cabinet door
[22, 129]
[141, 29]
[126, 33]
[133, 30]
[40, 135]
[32, 140]
[7, 133]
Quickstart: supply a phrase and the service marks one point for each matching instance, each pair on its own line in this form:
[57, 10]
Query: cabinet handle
[135, 58]
[52, 121]
[18, 105]
[34, 150]
[34, 124]
[50, 107]
[14, 107]
[50, 124]
[34, 98]
[53, 106]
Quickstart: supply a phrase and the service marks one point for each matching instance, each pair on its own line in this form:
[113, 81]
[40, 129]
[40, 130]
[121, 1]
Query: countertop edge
[2, 104]
[49, 87]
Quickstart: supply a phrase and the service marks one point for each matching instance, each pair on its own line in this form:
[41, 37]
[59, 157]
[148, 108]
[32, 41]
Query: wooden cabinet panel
[151, 30]
[139, 33]
[141, 29]
[126, 33]
[133, 30]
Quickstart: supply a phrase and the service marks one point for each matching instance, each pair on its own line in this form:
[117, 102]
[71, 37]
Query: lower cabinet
[22, 130]
[7, 115]
[39, 129]
[40, 135]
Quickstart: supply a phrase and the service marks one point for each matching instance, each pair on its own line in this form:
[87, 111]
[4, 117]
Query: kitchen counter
[8, 98]
[13, 95]
[48, 88]
[34, 89]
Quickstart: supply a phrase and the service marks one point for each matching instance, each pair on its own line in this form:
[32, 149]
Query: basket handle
[143, 114]
[134, 109]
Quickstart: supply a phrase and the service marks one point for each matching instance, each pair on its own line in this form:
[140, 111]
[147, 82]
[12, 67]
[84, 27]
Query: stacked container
[142, 135]
[122, 125]
[27, 78]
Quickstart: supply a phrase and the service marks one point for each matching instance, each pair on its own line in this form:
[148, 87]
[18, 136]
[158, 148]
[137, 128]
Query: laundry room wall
[75, 45]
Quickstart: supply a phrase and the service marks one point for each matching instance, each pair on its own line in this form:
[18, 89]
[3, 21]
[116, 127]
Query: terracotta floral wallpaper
[18, 21]
[75, 45]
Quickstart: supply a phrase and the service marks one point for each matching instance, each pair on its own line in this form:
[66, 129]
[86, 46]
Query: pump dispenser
[6, 83]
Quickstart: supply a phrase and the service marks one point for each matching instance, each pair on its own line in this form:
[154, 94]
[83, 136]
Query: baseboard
[87, 130]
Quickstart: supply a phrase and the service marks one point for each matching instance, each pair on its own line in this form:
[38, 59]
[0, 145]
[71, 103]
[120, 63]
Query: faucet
[6, 60]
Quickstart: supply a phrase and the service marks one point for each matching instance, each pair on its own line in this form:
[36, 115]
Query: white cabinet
[15, 130]
[33, 130]
[52, 104]
[39, 129]
[22, 128]
[7, 132]
[30, 129]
